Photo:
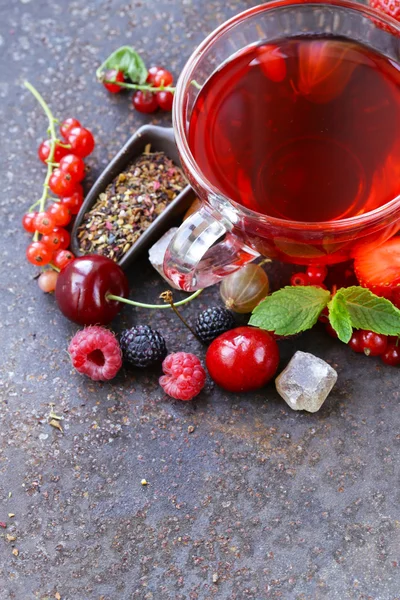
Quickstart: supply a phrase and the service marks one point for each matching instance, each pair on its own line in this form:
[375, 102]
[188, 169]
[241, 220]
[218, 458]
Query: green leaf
[290, 310]
[339, 317]
[127, 60]
[371, 312]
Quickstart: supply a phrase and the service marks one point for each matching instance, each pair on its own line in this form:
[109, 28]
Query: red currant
[165, 100]
[113, 75]
[330, 331]
[355, 342]
[73, 165]
[242, 359]
[81, 140]
[38, 254]
[82, 288]
[299, 279]
[67, 125]
[316, 275]
[73, 202]
[51, 240]
[63, 236]
[144, 102]
[47, 281]
[61, 258]
[44, 152]
[44, 222]
[163, 78]
[61, 183]
[151, 74]
[374, 344]
[60, 213]
[391, 356]
[27, 222]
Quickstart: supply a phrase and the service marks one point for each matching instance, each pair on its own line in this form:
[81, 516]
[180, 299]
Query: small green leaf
[290, 310]
[339, 317]
[127, 60]
[371, 312]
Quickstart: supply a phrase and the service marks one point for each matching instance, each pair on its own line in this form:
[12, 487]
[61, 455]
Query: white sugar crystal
[306, 382]
[157, 253]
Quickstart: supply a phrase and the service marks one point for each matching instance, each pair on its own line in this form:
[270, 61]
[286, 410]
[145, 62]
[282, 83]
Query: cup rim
[187, 157]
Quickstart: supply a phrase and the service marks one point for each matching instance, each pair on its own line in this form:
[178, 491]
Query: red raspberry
[184, 378]
[95, 352]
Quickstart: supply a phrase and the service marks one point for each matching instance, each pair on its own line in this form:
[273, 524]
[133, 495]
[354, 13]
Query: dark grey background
[268, 502]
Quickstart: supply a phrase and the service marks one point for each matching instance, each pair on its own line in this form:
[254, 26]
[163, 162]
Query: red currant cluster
[313, 276]
[145, 100]
[376, 344]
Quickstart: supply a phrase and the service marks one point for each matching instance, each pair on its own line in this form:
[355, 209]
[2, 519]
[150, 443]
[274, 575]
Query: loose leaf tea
[129, 205]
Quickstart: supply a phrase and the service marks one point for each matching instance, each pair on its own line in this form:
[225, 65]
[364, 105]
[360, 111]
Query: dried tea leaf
[11, 538]
[57, 596]
[15, 552]
[56, 425]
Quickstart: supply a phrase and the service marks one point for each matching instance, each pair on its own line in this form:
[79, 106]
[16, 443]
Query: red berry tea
[304, 129]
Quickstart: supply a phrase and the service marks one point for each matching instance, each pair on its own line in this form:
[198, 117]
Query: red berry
[391, 356]
[81, 140]
[43, 222]
[330, 331]
[51, 240]
[38, 254]
[163, 78]
[61, 258]
[151, 74]
[60, 213]
[324, 316]
[272, 62]
[67, 125]
[82, 288]
[63, 236]
[73, 165]
[47, 281]
[73, 202]
[355, 342]
[165, 100]
[44, 152]
[242, 359]
[95, 352]
[28, 222]
[184, 376]
[299, 279]
[113, 75]
[144, 102]
[374, 344]
[379, 268]
[61, 183]
[316, 275]
[395, 297]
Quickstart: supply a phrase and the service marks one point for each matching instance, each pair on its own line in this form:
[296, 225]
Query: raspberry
[184, 376]
[212, 322]
[95, 352]
[142, 346]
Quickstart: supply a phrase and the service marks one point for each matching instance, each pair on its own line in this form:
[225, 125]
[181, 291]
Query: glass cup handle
[195, 258]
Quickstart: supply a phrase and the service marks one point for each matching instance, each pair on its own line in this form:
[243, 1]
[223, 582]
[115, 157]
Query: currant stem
[168, 298]
[152, 306]
[142, 88]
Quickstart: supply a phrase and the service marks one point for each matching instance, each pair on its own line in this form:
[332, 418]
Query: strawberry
[389, 7]
[379, 269]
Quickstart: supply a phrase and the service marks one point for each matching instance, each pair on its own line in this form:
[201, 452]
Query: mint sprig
[297, 308]
[127, 60]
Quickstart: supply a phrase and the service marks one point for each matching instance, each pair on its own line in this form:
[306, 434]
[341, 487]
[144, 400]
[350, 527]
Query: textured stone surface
[259, 501]
[306, 382]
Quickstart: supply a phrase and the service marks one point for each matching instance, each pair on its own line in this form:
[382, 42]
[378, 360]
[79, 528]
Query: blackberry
[212, 322]
[142, 346]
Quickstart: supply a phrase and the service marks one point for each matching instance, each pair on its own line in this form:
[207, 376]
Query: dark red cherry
[82, 288]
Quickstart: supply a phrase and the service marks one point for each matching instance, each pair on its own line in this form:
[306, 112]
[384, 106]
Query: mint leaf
[339, 317]
[290, 310]
[371, 312]
[127, 60]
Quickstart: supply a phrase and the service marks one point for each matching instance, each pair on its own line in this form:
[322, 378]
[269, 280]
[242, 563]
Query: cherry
[163, 78]
[38, 254]
[152, 72]
[316, 275]
[44, 151]
[61, 183]
[51, 240]
[324, 316]
[81, 140]
[113, 75]
[242, 359]
[145, 102]
[391, 356]
[61, 258]
[82, 288]
[165, 100]
[43, 222]
[73, 202]
[47, 281]
[63, 236]
[299, 279]
[60, 213]
[27, 222]
[374, 344]
[355, 342]
[67, 125]
[73, 165]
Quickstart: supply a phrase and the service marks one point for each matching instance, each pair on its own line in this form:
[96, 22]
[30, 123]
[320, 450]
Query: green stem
[53, 139]
[142, 88]
[153, 306]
